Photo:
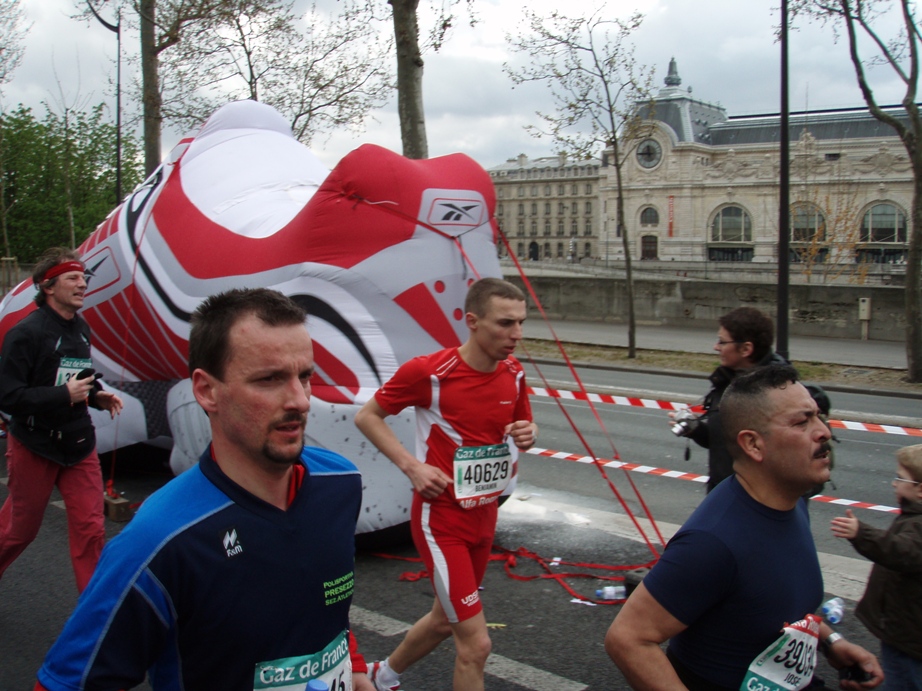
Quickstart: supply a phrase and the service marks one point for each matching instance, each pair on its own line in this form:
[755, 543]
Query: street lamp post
[117, 29]
[784, 206]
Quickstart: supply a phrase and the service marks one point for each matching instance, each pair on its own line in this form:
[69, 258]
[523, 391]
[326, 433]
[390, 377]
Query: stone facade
[548, 208]
[704, 186]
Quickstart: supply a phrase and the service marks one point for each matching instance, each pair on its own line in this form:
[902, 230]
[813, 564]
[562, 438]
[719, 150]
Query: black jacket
[709, 431]
[36, 356]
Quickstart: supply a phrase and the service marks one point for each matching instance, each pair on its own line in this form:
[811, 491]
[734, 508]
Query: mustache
[292, 416]
[824, 449]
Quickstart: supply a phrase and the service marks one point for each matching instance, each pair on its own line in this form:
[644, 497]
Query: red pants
[455, 546]
[31, 479]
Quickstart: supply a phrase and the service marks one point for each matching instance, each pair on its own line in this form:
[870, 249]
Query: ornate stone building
[548, 208]
[703, 186]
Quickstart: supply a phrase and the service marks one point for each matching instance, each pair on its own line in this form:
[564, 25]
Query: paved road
[843, 351]
[542, 639]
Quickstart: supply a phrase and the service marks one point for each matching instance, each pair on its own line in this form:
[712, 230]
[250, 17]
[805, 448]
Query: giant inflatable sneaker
[380, 252]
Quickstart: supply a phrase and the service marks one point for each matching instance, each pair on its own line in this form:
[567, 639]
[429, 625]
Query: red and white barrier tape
[691, 477]
[669, 405]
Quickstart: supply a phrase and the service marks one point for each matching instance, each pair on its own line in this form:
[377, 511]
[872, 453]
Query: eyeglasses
[723, 343]
[902, 479]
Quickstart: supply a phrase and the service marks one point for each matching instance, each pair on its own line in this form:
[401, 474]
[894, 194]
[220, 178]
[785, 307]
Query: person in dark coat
[891, 607]
[744, 341]
[46, 385]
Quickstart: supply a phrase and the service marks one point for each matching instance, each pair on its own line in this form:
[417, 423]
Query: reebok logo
[458, 213]
[453, 211]
[231, 546]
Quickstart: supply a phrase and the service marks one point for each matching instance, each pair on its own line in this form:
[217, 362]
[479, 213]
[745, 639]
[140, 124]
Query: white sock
[387, 676]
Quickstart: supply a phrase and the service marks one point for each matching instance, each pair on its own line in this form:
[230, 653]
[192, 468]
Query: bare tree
[410, 64]
[162, 25]
[321, 72]
[865, 24]
[596, 84]
[13, 30]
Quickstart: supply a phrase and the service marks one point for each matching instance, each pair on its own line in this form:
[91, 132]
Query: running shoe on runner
[373, 673]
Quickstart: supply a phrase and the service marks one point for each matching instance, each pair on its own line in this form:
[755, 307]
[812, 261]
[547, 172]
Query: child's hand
[845, 526]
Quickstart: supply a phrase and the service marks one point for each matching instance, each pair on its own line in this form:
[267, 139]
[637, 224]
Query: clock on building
[649, 153]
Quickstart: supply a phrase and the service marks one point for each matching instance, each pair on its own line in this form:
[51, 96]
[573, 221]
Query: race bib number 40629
[482, 471]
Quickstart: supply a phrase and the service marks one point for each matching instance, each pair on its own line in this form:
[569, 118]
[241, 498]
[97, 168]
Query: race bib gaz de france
[481, 473]
[70, 367]
[788, 663]
[331, 665]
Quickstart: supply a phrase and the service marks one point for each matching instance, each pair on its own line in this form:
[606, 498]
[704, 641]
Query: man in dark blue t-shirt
[744, 564]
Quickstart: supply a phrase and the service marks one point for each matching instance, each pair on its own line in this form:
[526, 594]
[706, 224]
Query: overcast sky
[725, 50]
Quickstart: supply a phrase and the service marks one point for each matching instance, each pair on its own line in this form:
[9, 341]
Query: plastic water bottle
[611, 592]
[317, 685]
[833, 610]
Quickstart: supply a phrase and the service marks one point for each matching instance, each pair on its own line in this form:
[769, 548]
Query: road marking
[497, 665]
[378, 623]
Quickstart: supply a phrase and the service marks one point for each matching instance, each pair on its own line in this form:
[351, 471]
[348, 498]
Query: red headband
[62, 268]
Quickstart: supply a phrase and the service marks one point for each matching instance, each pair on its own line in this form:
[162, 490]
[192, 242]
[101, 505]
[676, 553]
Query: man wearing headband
[46, 385]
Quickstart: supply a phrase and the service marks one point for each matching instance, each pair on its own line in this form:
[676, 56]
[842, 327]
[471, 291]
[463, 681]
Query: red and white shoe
[373, 675]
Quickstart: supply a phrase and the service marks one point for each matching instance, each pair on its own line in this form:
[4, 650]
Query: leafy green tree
[36, 193]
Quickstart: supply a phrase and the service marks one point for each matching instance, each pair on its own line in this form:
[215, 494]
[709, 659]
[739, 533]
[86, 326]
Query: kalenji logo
[231, 546]
[471, 599]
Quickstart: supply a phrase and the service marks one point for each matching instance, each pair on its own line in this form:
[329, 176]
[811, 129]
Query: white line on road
[497, 665]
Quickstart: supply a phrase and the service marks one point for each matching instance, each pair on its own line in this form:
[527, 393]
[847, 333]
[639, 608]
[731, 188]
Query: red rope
[510, 559]
[600, 466]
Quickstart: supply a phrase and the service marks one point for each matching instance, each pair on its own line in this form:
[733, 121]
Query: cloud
[726, 51]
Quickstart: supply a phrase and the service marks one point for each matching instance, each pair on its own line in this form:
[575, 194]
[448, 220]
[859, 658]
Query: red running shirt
[456, 405]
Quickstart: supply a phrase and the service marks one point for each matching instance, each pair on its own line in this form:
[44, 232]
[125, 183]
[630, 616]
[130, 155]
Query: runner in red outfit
[472, 417]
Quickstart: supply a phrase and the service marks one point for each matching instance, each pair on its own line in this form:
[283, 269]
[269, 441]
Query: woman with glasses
[744, 341]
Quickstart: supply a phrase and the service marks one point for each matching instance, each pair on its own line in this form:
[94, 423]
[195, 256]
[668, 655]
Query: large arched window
[883, 223]
[807, 223]
[731, 235]
[883, 232]
[731, 224]
[649, 217]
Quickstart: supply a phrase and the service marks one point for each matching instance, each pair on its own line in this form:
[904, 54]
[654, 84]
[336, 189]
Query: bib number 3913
[788, 663]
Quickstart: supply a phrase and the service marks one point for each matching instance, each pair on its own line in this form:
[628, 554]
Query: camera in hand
[854, 673]
[684, 422]
[87, 373]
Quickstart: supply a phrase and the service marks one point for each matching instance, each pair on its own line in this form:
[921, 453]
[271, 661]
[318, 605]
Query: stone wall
[815, 310]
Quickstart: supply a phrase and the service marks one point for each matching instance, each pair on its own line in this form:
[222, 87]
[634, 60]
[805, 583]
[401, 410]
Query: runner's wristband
[828, 642]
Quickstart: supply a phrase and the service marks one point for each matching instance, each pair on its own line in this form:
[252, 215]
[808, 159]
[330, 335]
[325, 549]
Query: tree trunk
[628, 275]
[914, 275]
[409, 79]
[150, 86]
[6, 239]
